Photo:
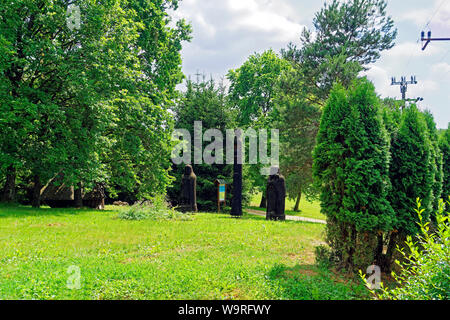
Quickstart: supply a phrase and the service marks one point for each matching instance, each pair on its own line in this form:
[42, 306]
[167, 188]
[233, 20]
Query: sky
[227, 32]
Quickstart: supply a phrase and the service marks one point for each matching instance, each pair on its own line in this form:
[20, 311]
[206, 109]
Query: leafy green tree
[139, 144]
[253, 88]
[351, 162]
[91, 101]
[252, 93]
[298, 122]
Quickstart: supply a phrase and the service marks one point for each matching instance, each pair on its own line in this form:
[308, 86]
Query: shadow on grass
[309, 282]
[20, 211]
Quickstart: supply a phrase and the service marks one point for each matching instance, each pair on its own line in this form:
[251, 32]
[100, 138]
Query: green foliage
[252, 94]
[444, 144]
[348, 36]
[298, 122]
[436, 160]
[91, 102]
[351, 168]
[253, 88]
[203, 101]
[425, 271]
[411, 170]
[325, 257]
[156, 209]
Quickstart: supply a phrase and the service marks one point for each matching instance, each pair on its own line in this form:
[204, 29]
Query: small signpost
[221, 192]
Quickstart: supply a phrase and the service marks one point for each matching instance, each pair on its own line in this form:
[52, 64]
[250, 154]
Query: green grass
[307, 209]
[210, 256]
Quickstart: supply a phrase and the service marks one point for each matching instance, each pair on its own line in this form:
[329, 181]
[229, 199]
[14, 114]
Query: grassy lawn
[210, 256]
[307, 209]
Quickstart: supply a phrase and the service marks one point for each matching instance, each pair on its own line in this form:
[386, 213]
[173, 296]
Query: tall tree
[90, 101]
[444, 144]
[252, 93]
[298, 122]
[348, 36]
[351, 162]
[206, 102]
[436, 161]
[411, 174]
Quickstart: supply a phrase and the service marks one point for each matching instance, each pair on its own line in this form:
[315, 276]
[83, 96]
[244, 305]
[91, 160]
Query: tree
[203, 101]
[90, 102]
[298, 122]
[411, 174]
[252, 94]
[444, 144]
[436, 161]
[348, 36]
[351, 162]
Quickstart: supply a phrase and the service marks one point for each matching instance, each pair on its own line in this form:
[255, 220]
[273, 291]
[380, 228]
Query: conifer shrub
[351, 166]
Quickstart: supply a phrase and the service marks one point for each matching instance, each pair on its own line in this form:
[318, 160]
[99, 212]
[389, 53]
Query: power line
[428, 39]
[434, 14]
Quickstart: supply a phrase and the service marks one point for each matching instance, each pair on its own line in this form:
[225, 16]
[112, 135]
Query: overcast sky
[226, 32]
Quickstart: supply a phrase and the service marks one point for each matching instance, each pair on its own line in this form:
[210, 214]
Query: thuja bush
[412, 175]
[351, 166]
[425, 268]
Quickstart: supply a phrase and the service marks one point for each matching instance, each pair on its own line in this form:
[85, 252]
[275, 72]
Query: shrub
[156, 209]
[351, 162]
[425, 271]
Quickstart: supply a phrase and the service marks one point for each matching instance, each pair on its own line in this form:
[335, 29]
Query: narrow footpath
[290, 218]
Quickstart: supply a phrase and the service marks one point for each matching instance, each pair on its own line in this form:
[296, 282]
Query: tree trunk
[36, 202]
[297, 203]
[388, 259]
[379, 257]
[9, 190]
[263, 203]
[78, 195]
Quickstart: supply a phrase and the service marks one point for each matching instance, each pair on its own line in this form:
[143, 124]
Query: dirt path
[290, 218]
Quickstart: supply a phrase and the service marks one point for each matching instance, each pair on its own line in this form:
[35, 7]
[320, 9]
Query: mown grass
[210, 256]
[307, 209]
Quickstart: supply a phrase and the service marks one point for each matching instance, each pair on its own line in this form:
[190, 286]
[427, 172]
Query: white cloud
[435, 17]
[226, 32]
[441, 70]
[412, 49]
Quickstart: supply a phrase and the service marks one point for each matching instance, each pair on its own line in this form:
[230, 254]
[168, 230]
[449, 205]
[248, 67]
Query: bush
[425, 271]
[351, 166]
[156, 209]
[325, 257]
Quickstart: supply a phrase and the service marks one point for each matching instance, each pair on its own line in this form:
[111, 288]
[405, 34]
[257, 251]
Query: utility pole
[403, 83]
[429, 39]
